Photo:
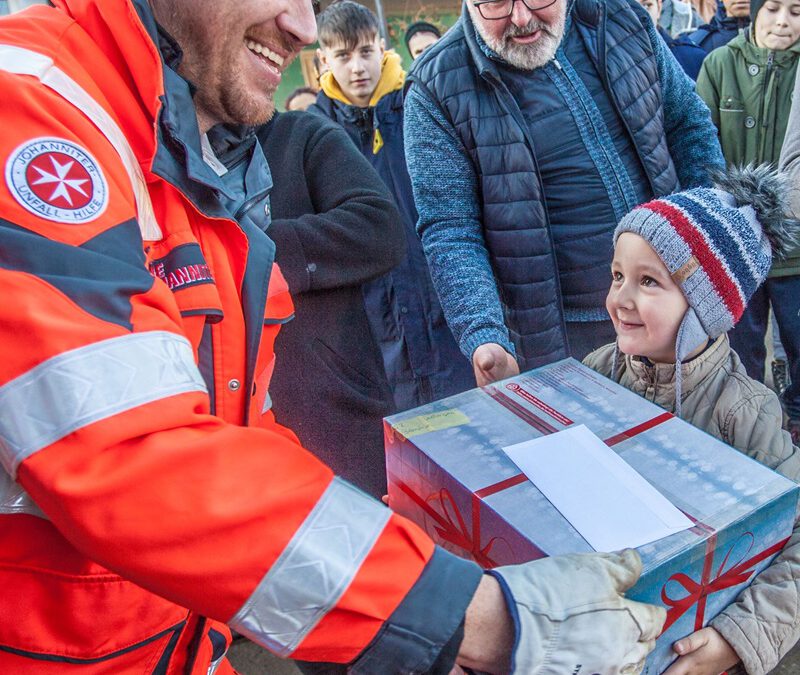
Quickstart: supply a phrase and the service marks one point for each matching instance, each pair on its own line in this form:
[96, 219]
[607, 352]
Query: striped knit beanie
[717, 244]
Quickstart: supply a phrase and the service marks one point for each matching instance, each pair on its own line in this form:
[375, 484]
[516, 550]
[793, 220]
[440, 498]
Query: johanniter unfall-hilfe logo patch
[57, 180]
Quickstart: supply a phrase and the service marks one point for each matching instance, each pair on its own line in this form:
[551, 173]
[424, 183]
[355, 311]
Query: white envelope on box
[603, 497]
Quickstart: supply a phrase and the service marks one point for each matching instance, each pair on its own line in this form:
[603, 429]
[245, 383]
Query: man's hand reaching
[492, 363]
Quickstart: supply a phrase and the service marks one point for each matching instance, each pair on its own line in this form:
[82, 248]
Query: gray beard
[532, 56]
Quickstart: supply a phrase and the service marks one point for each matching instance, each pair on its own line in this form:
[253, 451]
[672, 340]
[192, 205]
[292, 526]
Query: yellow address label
[424, 424]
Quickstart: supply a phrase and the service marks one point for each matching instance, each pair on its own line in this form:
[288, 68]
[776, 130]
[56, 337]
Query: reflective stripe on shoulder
[314, 570]
[85, 385]
[14, 499]
[20, 61]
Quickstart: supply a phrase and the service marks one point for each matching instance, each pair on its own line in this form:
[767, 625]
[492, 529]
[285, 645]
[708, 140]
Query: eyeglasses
[492, 10]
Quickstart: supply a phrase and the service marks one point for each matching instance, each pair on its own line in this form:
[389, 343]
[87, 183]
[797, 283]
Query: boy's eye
[616, 276]
[649, 281]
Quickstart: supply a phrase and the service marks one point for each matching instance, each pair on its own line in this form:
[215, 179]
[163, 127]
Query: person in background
[705, 8]
[419, 36]
[335, 227]
[363, 91]
[300, 99]
[525, 148]
[677, 17]
[680, 281]
[748, 86]
[686, 52]
[732, 17]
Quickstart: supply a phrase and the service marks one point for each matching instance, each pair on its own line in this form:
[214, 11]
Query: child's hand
[705, 652]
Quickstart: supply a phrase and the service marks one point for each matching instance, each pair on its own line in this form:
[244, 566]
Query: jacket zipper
[248, 204]
[762, 123]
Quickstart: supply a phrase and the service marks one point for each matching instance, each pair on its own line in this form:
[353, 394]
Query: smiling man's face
[235, 52]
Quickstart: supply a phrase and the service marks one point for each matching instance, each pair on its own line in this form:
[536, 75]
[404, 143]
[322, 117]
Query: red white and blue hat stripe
[720, 245]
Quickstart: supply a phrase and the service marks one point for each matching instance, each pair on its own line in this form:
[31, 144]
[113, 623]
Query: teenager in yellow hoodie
[363, 91]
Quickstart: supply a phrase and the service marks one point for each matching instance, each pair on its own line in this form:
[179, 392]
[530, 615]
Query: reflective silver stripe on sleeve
[21, 61]
[85, 385]
[314, 570]
[14, 499]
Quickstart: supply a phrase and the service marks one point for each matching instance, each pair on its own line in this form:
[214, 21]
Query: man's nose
[297, 19]
[520, 14]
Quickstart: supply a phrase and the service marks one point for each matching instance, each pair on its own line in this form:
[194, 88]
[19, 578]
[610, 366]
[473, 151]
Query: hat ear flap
[691, 335]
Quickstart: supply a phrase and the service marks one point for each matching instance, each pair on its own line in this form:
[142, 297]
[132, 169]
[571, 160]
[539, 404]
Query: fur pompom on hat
[717, 244]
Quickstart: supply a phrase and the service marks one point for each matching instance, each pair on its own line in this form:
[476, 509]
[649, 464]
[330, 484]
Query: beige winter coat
[718, 397]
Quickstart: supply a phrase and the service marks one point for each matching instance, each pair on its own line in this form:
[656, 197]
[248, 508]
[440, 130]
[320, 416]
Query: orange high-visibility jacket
[143, 482]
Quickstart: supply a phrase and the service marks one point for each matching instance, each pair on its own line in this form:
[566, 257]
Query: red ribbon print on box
[451, 525]
[698, 591]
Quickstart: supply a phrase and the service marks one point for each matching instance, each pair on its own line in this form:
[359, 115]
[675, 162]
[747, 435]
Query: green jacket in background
[749, 92]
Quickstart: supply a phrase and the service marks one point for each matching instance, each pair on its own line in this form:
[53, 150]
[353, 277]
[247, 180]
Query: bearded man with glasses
[531, 128]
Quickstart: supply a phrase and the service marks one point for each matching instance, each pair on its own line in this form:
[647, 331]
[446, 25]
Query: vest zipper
[602, 67]
[599, 144]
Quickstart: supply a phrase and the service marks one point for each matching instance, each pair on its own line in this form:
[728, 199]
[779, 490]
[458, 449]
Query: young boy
[748, 86]
[363, 91]
[684, 268]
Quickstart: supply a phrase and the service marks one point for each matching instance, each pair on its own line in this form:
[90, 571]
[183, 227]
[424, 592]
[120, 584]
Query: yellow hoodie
[393, 77]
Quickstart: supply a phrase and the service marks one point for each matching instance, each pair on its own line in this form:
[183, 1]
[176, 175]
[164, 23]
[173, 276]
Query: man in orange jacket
[144, 484]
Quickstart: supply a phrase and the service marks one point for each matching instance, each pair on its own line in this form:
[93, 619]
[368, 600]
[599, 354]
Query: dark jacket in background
[335, 227]
[719, 31]
[686, 52]
[422, 360]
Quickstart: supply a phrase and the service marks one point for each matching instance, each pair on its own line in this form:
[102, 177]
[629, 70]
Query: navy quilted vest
[468, 87]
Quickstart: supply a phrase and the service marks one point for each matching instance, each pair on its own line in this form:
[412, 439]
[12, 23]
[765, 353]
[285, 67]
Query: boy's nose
[624, 297]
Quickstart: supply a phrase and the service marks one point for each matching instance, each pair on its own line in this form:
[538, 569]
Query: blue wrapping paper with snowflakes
[447, 471]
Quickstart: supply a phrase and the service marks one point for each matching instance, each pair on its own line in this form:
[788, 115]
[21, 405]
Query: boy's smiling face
[357, 71]
[645, 304]
[778, 24]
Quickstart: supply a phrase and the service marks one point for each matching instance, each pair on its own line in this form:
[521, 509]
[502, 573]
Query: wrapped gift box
[447, 472]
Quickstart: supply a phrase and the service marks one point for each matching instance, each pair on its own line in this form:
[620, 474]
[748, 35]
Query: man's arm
[449, 206]
[106, 424]
[355, 233]
[691, 136]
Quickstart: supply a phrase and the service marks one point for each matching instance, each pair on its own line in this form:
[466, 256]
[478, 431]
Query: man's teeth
[261, 50]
